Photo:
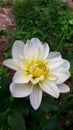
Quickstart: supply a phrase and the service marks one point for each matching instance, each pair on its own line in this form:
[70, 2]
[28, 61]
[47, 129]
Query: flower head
[37, 70]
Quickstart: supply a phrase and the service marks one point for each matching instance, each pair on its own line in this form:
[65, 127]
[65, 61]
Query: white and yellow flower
[37, 70]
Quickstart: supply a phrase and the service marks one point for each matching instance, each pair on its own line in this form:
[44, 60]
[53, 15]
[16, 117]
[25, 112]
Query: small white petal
[36, 97]
[36, 41]
[54, 55]
[41, 78]
[55, 63]
[62, 77]
[18, 49]
[20, 90]
[34, 80]
[66, 65]
[44, 51]
[63, 88]
[50, 88]
[21, 77]
[11, 64]
[31, 48]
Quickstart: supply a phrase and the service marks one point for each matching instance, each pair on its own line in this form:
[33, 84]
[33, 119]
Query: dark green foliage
[44, 19]
[3, 33]
[4, 71]
[53, 105]
[16, 121]
[4, 92]
[69, 57]
[1, 3]
[51, 124]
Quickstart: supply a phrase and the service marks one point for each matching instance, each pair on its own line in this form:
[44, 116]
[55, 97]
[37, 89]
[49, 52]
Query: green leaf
[51, 124]
[4, 71]
[4, 81]
[71, 22]
[49, 104]
[16, 121]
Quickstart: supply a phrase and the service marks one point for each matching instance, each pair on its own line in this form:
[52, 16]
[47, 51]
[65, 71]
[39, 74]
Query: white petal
[55, 63]
[54, 55]
[18, 49]
[62, 77]
[21, 77]
[11, 64]
[20, 90]
[63, 88]
[36, 97]
[44, 51]
[50, 88]
[52, 77]
[31, 48]
[59, 70]
[35, 80]
[23, 64]
[66, 65]
[36, 41]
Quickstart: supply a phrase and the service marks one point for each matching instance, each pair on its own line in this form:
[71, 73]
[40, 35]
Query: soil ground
[6, 23]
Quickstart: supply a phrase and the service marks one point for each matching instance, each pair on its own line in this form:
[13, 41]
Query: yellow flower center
[37, 70]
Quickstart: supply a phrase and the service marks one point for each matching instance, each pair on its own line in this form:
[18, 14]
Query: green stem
[61, 41]
[8, 109]
[45, 117]
[4, 113]
[11, 99]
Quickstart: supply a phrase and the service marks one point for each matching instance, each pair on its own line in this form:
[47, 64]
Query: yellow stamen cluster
[37, 69]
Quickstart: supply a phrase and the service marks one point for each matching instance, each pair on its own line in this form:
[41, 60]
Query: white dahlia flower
[37, 70]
